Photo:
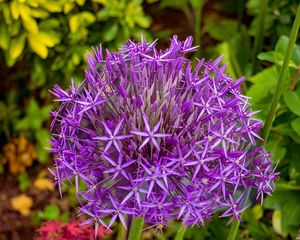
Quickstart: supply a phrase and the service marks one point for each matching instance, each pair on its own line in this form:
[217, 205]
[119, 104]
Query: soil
[14, 226]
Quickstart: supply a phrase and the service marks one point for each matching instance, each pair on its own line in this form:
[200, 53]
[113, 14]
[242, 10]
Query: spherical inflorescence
[151, 136]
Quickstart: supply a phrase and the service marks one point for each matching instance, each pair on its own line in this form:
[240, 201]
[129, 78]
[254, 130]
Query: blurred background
[44, 42]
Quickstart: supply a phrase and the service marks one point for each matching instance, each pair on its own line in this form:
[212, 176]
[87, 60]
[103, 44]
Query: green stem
[282, 76]
[235, 224]
[197, 24]
[240, 14]
[233, 230]
[136, 229]
[276, 97]
[121, 232]
[258, 41]
[180, 233]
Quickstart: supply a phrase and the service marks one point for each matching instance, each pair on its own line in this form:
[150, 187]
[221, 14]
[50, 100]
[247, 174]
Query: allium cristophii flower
[151, 136]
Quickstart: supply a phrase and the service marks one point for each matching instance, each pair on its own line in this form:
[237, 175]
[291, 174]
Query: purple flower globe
[151, 136]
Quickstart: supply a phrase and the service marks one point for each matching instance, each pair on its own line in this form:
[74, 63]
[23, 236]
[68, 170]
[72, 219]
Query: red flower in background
[55, 230]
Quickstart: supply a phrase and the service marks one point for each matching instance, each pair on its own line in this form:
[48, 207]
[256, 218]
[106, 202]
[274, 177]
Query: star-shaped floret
[223, 136]
[88, 102]
[182, 158]
[201, 162]
[112, 137]
[154, 175]
[118, 168]
[234, 208]
[117, 211]
[151, 134]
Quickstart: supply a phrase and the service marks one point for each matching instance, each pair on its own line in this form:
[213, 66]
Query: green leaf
[259, 231]
[296, 125]
[278, 151]
[282, 45]
[52, 6]
[253, 214]
[37, 46]
[236, 60]
[51, 212]
[35, 116]
[65, 217]
[290, 214]
[79, 20]
[292, 101]
[49, 23]
[42, 136]
[24, 181]
[286, 130]
[263, 84]
[254, 24]
[49, 38]
[281, 197]
[272, 56]
[30, 24]
[221, 29]
[109, 32]
[16, 46]
[38, 74]
[143, 20]
[4, 36]
[294, 167]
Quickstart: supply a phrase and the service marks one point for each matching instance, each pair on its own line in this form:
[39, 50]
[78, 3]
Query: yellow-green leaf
[16, 47]
[39, 13]
[100, 1]
[15, 11]
[24, 10]
[80, 2]
[32, 3]
[74, 23]
[30, 24]
[292, 101]
[52, 6]
[4, 37]
[81, 19]
[87, 17]
[76, 59]
[47, 39]
[68, 6]
[277, 223]
[14, 28]
[38, 47]
[6, 14]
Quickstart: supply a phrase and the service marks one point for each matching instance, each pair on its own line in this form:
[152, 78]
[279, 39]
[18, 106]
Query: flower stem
[121, 232]
[180, 233]
[276, 97]
[282, 76]
[258, 41]
[136, 229]
[197, 9]
[241, 9]
[235, 224]
[197, 24]
[233, 230]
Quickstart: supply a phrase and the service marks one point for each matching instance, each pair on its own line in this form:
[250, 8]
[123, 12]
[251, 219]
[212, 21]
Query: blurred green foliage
[46, 42]
[43, 42]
